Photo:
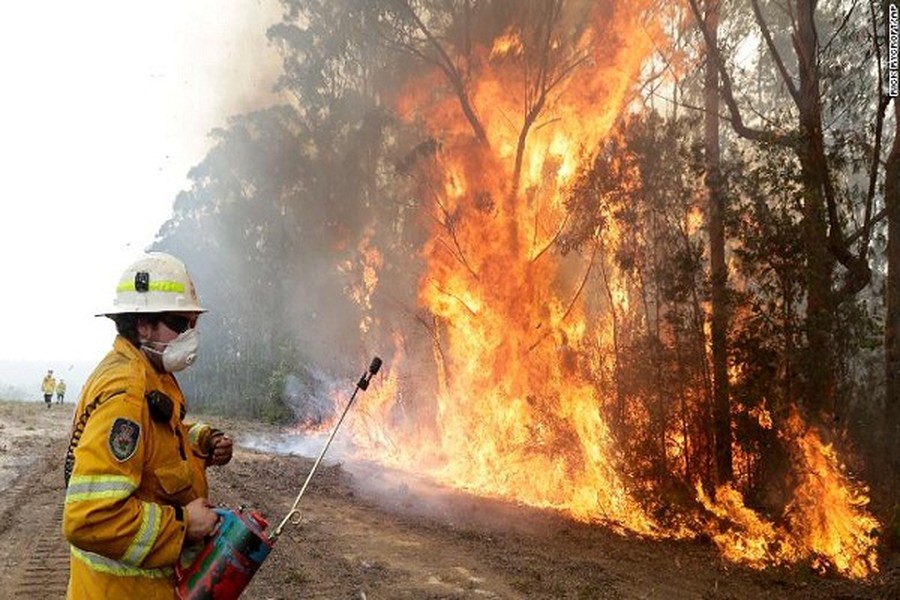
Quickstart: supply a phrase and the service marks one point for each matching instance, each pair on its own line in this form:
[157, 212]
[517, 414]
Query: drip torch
[223, 567]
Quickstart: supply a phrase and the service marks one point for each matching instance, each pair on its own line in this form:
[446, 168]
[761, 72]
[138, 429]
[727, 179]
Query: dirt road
[366, 534]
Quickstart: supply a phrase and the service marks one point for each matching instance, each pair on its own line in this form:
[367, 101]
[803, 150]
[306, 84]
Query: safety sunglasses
[178, 323]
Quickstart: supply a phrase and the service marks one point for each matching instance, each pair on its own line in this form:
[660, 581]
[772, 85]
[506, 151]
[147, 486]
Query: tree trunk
[891, 433]
[718, 270]
[819, 364]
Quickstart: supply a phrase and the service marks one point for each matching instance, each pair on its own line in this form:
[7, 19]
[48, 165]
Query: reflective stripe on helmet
[146, 536]
[93, 487]
[153, 286]
[113, 567]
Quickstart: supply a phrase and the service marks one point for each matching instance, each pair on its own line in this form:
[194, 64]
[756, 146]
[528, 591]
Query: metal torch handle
[363, 384]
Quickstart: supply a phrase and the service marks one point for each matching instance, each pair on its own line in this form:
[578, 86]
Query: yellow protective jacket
[130, 473]
[48, 384]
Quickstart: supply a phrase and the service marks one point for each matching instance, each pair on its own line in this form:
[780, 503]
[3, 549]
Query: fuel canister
[224, 566]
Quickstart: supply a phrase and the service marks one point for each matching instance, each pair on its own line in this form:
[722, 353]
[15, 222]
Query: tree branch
[767, 35]
[737, 122]
[445, 63]
[868, 222]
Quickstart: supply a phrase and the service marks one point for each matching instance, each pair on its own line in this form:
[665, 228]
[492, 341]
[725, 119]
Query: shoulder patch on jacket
[123, 438]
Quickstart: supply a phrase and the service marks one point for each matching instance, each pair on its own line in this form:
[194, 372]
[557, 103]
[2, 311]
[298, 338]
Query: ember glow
[514, 415]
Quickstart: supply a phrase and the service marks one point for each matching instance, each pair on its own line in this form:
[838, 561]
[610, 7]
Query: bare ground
[367, 534]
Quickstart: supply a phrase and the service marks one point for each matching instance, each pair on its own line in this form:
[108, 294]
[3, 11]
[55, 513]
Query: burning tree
[514, 103]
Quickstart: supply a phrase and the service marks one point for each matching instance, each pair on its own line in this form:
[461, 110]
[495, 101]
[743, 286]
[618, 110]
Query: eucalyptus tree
[818, 56]
[718, 269]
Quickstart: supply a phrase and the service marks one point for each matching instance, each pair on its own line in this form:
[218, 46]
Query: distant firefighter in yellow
[48, 386]
[61, 391]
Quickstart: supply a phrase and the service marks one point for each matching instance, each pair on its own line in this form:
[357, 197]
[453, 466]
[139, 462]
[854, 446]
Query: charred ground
[369, 534]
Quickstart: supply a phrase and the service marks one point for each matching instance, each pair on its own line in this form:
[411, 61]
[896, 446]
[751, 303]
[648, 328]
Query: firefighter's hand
[200, 518]
[222, 447]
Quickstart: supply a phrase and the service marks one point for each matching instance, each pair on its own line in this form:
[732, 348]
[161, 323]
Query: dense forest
[636, 261]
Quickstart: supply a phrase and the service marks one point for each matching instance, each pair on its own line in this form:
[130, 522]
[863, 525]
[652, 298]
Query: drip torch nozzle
[373, 369]
[375, 365]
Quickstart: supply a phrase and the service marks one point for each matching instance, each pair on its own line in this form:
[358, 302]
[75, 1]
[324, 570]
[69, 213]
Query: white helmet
[157, 282]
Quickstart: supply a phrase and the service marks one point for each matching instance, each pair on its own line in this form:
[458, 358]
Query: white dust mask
[178, 354]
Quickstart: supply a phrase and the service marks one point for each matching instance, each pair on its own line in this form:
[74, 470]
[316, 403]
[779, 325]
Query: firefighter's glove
[221, 447]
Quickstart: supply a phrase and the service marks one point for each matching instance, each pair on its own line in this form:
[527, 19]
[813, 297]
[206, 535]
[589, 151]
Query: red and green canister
[223, 567]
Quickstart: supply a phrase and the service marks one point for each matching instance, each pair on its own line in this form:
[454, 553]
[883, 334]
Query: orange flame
[825, 524]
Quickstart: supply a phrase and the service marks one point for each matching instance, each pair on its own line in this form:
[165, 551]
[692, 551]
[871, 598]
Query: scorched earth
[368, 534]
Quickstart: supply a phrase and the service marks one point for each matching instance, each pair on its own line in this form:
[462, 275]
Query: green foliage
[275, 409]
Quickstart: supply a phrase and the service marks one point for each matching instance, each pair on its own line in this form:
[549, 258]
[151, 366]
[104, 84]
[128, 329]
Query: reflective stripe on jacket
[123, 508]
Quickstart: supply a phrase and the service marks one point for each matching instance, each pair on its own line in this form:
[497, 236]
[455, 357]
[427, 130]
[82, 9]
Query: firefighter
[48, 385]
[60, 391]
[136, 488]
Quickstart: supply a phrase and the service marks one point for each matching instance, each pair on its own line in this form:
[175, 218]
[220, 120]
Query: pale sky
[105, 107]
